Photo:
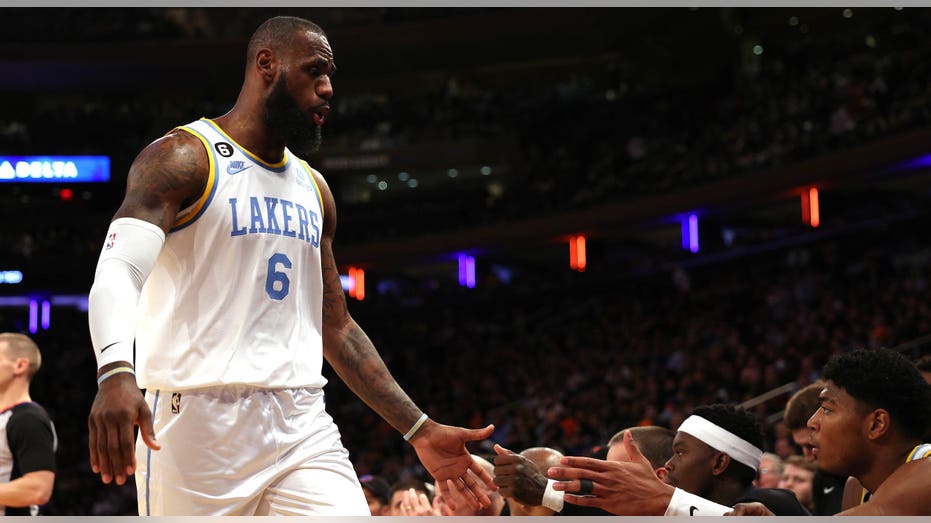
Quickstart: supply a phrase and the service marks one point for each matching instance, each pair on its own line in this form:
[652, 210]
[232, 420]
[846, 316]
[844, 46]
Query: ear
[21, 366]
[720, 463]
[876, 424]
[266, 63]
[661, 473]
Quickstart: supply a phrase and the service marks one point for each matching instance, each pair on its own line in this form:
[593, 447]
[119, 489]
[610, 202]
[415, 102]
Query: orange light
[360, 284]
[577, 253]
[356, 283]
[813, 204]
[580, 250]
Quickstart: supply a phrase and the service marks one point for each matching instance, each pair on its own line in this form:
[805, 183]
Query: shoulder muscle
[169, 173]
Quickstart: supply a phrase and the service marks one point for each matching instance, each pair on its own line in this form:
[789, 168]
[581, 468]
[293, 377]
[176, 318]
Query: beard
[284, 117]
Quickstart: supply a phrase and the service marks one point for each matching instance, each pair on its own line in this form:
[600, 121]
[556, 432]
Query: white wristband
[553, 499]
[416, 427]
[685, 504]
[128, 255]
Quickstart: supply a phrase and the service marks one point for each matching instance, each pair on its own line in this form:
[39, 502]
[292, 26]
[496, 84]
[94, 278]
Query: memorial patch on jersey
[224, 149]
[175, 402]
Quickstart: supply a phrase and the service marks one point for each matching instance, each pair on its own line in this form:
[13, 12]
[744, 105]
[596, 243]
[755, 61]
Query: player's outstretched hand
[117, 408]
[442, 450]
[627, 488]
[518, 478]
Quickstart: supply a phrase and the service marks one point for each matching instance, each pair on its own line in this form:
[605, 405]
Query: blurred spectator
[797, 477]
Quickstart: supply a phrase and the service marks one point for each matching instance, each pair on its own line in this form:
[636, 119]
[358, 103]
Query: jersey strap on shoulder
[189, 215]
[921, 451]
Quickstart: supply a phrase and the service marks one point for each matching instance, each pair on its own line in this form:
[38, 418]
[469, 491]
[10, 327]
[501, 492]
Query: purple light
[921, 161]
[467, 271]
[46, 314]
[693, 233]
[462, 269]
[33, 316]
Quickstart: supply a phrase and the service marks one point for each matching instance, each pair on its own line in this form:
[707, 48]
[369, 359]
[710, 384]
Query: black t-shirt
[29, 447]
[780, 502]
[827, 492]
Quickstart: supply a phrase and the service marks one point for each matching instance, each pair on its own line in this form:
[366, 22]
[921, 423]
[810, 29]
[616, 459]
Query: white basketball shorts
[244, 451]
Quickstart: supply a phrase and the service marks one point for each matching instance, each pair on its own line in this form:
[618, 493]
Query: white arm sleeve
[128, 256]
[686, 504]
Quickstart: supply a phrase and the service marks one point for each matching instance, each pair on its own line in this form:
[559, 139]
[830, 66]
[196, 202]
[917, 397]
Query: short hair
[542, 457]
[279, 33]
[22, 346]
[655, 443]
[740, 423]
[775, 459]
[885, 379]
[802, 405]
[799, 461]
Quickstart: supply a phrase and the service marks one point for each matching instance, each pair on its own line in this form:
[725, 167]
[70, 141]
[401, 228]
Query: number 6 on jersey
[275, 276]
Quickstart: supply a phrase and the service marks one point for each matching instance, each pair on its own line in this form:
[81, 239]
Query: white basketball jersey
[236, 294]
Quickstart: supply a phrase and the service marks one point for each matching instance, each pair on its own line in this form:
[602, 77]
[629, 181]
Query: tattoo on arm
[353, 356]
[167, 175]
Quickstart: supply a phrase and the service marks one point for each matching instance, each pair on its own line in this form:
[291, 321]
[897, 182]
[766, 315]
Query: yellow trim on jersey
[250, 154]
[921, 451]
[313, 178]
[211, 181]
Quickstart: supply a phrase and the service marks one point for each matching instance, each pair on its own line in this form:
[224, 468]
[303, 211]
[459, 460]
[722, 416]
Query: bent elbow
[42, 498]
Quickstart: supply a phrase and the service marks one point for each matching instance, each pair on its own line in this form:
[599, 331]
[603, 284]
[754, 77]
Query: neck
[245, 123]
[726, 492]
[885, 463]
[13, 395]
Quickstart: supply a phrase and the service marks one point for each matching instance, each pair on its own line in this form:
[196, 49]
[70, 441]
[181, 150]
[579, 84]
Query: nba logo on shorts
[175, 402]
[111, 240]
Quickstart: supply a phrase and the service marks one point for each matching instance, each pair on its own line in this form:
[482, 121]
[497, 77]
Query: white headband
[722, 441]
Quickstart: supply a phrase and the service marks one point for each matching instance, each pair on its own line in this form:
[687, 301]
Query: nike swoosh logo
[231, 170]
[692, 510]
[108, 346]
[828, 490]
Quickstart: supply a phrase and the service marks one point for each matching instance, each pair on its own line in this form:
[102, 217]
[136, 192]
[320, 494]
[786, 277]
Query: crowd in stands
[603, 133]
[104, 25]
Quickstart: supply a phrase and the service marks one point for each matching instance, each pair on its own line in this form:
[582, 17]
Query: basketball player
[875, 409]
[715, 457]
[27, 450]
[219, 264]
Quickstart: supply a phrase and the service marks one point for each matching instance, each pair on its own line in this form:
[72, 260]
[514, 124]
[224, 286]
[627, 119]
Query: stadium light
[577, 253]
[690, 233]
[811, 209]
[466, 271]
[356, 283]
